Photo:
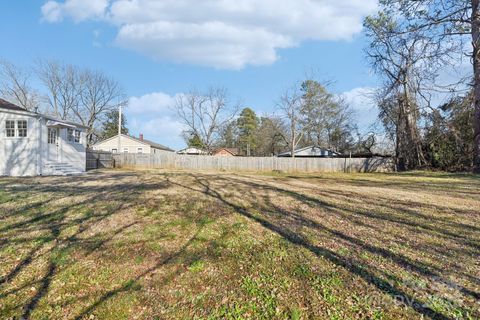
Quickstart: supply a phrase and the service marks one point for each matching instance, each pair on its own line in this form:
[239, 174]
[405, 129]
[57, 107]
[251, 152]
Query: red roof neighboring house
[226, 152]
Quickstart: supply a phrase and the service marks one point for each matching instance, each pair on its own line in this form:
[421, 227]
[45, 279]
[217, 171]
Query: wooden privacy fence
[169, 160]
[99, 159]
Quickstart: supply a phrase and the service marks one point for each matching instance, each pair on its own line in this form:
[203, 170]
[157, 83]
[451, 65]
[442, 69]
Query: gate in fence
[99, 159]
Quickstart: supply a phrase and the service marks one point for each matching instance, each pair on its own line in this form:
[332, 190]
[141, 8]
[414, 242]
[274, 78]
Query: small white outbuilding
[34, 144]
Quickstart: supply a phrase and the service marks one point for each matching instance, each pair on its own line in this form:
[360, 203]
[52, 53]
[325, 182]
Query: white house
[129, 144]
[193, 151]
[35, 144]
[311, 152]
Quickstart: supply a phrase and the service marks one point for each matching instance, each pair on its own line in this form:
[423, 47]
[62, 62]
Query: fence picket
[166, 160]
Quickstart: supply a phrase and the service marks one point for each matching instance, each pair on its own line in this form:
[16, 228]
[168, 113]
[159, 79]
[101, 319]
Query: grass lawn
[173, 244]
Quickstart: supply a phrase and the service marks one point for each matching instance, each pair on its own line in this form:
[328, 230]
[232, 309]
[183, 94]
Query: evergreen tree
[228, 135]
[110, 125]
[247, 124]
[195, 142]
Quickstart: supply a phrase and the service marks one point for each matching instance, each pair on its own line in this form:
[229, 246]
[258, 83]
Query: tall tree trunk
[401, 138]
[294, 137]
[476, 71]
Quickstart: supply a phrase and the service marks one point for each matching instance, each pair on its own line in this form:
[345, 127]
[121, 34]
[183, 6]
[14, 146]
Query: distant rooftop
[151, 143]
[310, 151]
[139, 139]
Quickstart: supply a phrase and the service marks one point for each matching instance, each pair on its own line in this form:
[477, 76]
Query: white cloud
[157, 103]
[78, 10]
[220, 33]
[362, 101]
[52, 12]
[210, 44]
[152, 114]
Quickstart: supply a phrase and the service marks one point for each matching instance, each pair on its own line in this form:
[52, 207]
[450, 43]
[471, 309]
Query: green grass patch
[184, 245]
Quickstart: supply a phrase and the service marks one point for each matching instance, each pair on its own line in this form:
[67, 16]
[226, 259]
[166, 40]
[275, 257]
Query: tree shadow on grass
[41, 292]
[402, 217]
[56, 221]
[289, 231]
[131, 283]
[396, 181]
[425, 223]
[181, 253]
[284, 222]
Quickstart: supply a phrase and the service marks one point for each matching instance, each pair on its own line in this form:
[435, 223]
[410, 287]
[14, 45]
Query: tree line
[81, 95]
[306, 114]
[433, 123]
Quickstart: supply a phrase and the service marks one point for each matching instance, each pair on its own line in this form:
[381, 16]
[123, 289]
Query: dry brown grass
[173, 244]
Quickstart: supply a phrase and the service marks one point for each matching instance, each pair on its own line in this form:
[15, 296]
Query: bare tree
[291, 104]
[404, 60]
[205, 114]
[271, 136]
[64, 86]
[15, 86]
[449, 24]
[99, 95]
[326, 118]
[79, 95]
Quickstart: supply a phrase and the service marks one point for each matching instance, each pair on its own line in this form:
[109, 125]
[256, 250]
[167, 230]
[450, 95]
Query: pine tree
[247, 127]
[110, 125]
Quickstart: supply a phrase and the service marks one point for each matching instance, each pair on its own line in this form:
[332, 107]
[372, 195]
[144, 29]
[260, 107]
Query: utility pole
[119, 127]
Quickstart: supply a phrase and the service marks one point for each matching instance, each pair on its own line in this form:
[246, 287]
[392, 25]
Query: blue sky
[159, 48]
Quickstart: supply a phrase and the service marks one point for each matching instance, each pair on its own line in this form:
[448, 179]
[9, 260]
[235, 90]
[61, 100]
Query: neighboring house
[226, 152]
[193, 151]
[311, 152]
[129, 144]
[35, 144]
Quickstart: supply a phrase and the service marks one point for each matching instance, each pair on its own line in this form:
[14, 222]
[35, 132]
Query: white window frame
[9, 129]
[77, 136]
[114, 150]
[125, 150]
[70, 135]
[140, 150]
[22, 131]
[52, 136]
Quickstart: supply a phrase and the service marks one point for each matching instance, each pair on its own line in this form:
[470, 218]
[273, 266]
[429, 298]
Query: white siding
[18, 156]
[125, 142]
[71, 152]
[28, 156]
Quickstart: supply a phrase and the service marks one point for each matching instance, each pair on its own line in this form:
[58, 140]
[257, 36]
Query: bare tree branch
[15, 86]
[205, 114]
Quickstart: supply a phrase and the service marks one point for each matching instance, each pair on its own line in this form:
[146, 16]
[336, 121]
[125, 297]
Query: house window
[125, 150]
[70, 137]
[114, 150]
[73, 135]
[139, 150]
[22, 128]
[10, 128]
[77, 136]
[52, 136]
